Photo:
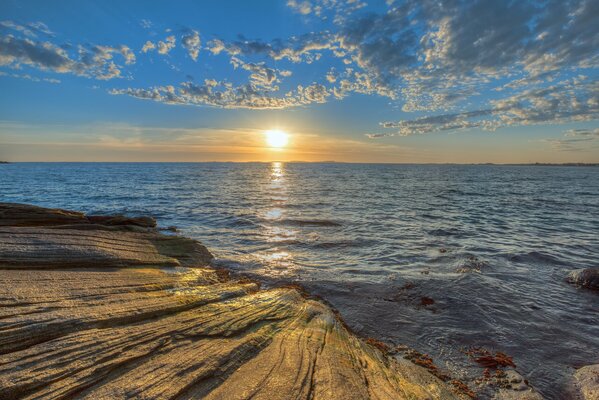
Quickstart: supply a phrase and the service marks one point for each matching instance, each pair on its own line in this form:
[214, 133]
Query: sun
[276, 138]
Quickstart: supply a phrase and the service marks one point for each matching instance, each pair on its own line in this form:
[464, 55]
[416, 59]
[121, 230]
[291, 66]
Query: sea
[439, 258]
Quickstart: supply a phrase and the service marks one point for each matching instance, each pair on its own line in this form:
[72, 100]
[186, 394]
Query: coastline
[113, 282]
[110, 307]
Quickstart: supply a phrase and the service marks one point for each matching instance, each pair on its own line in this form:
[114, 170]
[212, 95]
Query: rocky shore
[110, 308]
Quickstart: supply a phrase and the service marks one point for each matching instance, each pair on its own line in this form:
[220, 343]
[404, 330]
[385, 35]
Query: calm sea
[489, 245]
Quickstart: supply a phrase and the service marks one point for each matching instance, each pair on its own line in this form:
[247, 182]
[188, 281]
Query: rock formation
[109, 308]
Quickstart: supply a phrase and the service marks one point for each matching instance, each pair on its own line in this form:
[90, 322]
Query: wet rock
[12, 214]
[115, 220]
[472, 264]
[514, 387]
[587, 278]
[586, 382]
[172, 332]
[27, 215]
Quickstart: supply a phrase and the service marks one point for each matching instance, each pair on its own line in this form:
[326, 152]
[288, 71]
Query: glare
[276, 138]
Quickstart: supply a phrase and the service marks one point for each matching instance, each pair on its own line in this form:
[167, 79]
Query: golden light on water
[276, 138]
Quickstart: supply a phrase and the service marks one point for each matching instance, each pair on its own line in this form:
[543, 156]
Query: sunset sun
[276, 138]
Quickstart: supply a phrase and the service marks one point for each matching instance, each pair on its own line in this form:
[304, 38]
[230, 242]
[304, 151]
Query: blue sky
[365, 81]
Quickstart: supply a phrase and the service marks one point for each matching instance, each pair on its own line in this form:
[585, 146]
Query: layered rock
[93, 309]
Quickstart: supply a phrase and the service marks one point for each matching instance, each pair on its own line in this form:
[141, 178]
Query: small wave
[309, 222]
[340, 244]
[534, 257]
[444, 232]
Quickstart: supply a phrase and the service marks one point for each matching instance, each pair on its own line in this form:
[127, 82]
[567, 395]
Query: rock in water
[587, 277]
[98, 323]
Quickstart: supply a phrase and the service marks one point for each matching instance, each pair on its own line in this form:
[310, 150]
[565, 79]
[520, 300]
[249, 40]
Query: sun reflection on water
[277, 260]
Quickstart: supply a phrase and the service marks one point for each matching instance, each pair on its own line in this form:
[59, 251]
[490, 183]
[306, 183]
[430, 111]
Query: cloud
[166, 46]
[225, 95]
[163, 47]
[338, 9]
[148, 46]
[568, 101]
[582, 133]
[434, 56]
[145, 23]
[261, 76]
[29, 77]
[576, 140]
[92, 61]
[191, 41]
[462, 64]
[302, 7]
[569, 144]
[378, 135]
[32, 29]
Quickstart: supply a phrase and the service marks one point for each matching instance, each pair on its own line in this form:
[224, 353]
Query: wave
[534, 257]
[309, 222]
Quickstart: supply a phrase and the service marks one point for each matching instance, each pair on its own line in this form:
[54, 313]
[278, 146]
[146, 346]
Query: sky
[415, 81]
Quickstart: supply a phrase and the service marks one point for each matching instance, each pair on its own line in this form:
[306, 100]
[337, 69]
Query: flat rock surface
[97, 311]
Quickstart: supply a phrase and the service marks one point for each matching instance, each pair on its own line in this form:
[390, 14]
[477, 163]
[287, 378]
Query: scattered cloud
[166, 46]
[93, 61]
[582, 133]
[146, 23]
[339, 10]
[32, 29]
[457, 65]
[568, 101]
[576, 140]
[29, 77]
[191, 41]
[225, 95]
[148, 46]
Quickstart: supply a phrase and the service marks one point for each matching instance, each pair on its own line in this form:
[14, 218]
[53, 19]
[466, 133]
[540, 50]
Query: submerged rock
[587, 277]
[170, 332]
[512, 386]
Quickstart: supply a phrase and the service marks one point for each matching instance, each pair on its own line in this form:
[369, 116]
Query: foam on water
[491, 245]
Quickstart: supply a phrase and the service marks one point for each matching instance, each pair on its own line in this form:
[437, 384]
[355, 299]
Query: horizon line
[574, 163]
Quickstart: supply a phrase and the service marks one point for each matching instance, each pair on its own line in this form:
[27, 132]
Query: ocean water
[490, 245]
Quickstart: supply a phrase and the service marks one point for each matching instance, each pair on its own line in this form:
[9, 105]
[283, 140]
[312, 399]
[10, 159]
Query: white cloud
[95, 61]
[148, 46]
[191, 41]
[166, 46]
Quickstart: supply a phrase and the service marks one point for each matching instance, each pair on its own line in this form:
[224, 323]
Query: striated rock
[27, 215]
[587, 277]
[170, 332]
[33, 247]
[586, 382]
